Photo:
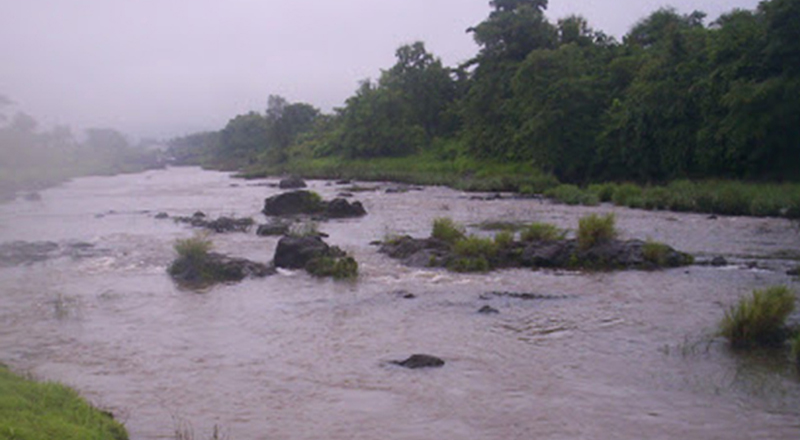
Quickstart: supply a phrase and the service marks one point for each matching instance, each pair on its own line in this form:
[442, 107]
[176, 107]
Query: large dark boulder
[547, 253]
[292, 182]
[341, 208]
[294, 203]
[296, 252]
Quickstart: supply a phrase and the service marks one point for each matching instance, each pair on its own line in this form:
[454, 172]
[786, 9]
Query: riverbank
[42, 410]
[721, 197]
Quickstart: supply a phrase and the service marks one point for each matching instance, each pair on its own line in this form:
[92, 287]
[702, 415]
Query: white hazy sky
[166, 67]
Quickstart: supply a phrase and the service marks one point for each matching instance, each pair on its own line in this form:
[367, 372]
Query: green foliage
[340, 268]
[474, 246]
[760, 319]
[655, 253]
[603, 191]
[470, 264]
[594, 229]
[572, 195]
[43, 411]
[628, 194]
[503, 239]
[447, 230]
[542, 232]
[656, 198]
[194, 249]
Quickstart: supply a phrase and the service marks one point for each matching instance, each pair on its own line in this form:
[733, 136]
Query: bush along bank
[42, 411]
[759, 320]
[710, 197]
[540, 246]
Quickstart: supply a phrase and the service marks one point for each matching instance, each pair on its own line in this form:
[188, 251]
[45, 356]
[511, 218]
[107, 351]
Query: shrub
[682, 196]
[758, 320]
[628, 194]
[469, 264]
[594, 229]
[447, 230]
[656, 198]
[542, 232]
[474, 246]
[503, 239]
[730, 199]
[572, 195]
[765, 207]
[339, 268]
[655, 253]
[603, 191]
[193, 249]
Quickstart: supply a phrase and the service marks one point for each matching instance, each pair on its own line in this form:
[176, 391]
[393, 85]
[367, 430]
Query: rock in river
[420, 361]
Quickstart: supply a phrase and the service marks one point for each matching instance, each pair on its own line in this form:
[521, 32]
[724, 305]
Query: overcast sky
[166, 67]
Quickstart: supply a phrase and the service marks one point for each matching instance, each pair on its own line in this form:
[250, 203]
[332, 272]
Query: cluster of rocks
[308, 203]
[611, 254]
[219, 225]
[212, 268]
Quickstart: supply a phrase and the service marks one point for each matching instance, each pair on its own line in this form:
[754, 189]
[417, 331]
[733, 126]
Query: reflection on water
[624, 355]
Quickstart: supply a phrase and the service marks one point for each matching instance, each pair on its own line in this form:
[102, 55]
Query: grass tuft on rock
[339, 268]
[760, 319]
[195, 248]
[656, 253]
[542, 232]
[594, 229]
[445, 229]
[41, 411]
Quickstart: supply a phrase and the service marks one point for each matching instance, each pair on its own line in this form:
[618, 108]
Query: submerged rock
[341, 208]
[292, 182]
[420, 361]
[220, 225]
[488, 310]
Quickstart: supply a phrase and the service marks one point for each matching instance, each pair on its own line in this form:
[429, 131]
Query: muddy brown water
[624, 355]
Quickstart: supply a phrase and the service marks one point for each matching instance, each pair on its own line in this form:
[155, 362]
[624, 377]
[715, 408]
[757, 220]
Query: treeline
[676, 98]
[32, 158]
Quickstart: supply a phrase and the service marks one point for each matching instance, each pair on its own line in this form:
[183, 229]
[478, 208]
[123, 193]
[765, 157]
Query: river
[620, 355]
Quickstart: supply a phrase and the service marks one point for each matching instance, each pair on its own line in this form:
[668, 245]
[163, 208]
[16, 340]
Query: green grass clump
[498, 225]
[469, 264]
[541, 232]
[474, 246]
[447, 230]
[339, 268]
[656, 197]
[655, 253]
[42, 411]
[603, 191]
[193, 249]
[758, 320]
[628, 194]
[594, 229]
[503, 239]
[572, 195]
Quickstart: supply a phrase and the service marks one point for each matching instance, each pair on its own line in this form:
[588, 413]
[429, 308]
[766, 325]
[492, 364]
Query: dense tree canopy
[676, 98]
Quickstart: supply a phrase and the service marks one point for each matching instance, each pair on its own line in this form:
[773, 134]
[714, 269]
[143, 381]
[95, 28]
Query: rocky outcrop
[292, 182]
[213, 268]
[220, 225]
[612, 254]
[309, 203]
[315, 256]
[420, 361]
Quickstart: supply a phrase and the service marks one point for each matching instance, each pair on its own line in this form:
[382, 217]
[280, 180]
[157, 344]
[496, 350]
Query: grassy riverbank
[32, 410]
[725, 197]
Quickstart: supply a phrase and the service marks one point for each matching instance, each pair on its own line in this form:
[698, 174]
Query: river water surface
[620, 355]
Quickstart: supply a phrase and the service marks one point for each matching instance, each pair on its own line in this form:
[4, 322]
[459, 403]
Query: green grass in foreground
[33, 411]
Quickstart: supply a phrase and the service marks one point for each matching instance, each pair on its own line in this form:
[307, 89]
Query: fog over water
[167, 68]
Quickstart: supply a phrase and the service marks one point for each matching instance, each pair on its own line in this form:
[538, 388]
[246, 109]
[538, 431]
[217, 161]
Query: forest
[677, 98]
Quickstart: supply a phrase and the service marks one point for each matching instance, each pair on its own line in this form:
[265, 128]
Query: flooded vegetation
[548, 353]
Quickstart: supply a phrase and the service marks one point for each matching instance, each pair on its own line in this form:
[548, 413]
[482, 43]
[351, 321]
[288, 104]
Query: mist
[169, 68]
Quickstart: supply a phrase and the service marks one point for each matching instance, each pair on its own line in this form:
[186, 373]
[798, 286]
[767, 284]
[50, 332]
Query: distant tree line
[675, 99]
[31, 157]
